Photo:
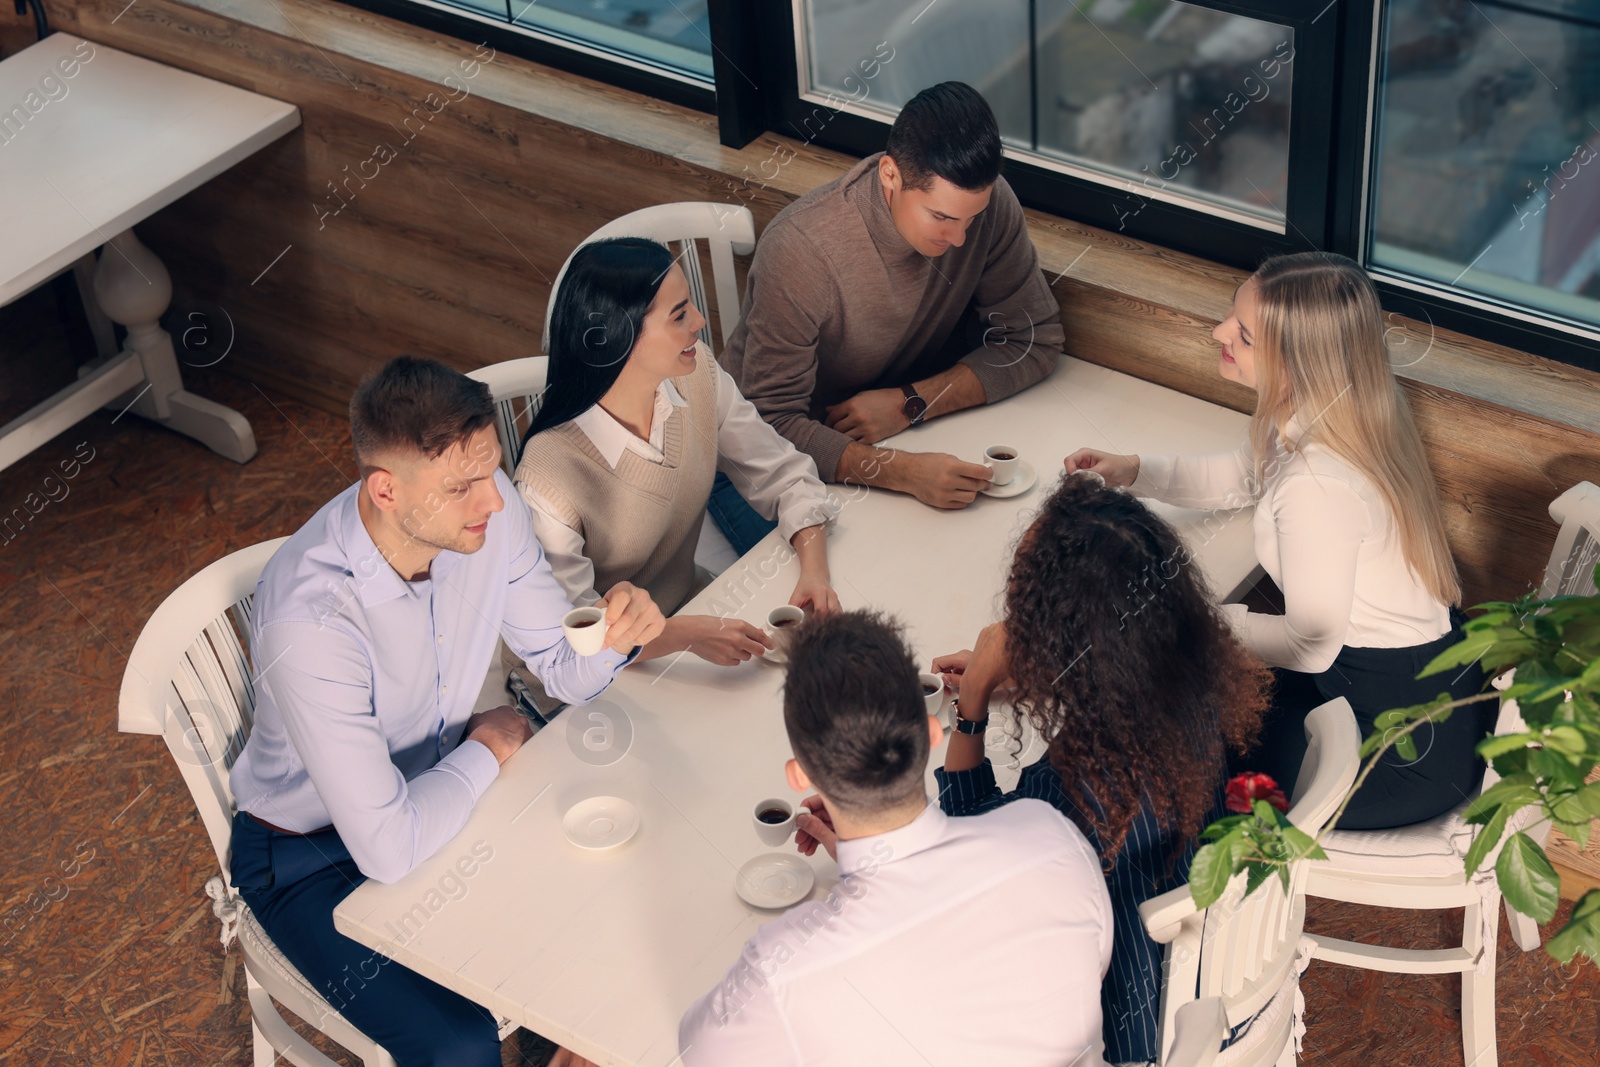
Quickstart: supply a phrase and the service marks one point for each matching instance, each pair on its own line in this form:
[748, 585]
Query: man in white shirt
[978, 940]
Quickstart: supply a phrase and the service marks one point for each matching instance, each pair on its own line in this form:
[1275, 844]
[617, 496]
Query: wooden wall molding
[449, 250]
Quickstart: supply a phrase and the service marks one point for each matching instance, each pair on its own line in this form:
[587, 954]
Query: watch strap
[971, 726]
[915, 406]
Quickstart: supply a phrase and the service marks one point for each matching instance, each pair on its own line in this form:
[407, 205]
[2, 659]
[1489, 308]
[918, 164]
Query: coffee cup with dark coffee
[1003, 461]
[586, 629]
[936, 696]
[781, 626]
[774, 821]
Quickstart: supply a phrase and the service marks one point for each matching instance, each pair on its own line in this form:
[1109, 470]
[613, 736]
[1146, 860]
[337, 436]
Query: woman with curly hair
[1347, 523]
[1112, 649]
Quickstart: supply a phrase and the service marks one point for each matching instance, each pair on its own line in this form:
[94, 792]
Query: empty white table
[602, 951]
[92, 142]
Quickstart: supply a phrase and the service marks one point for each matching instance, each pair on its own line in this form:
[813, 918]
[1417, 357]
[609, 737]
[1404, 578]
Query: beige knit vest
[641, 522]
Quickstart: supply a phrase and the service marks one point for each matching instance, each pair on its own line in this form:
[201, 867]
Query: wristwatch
[971, 726]
[915, 408]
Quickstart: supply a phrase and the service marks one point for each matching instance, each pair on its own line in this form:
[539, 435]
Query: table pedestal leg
[132, 286]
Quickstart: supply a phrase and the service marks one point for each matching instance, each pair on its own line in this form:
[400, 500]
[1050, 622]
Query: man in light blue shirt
[374, 627]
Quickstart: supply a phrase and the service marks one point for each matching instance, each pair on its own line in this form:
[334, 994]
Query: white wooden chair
[1421, 866]
[1248, 950]
[189, 679]
[516, 386]
[1197, 1033]
[727, 231]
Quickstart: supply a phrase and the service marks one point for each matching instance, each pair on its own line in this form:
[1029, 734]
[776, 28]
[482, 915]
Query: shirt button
[441, 639]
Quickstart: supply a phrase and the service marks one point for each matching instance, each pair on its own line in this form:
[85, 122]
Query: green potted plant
[1554, 646]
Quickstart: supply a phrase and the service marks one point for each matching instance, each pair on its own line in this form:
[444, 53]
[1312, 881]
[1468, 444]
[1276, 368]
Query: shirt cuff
[826, 448]
[1155, 475]
[1237, 616]
[814, 509]
[473, 761]
[960, 791]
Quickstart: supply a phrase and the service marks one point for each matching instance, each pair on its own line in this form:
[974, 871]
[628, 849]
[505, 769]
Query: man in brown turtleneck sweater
[865, 293]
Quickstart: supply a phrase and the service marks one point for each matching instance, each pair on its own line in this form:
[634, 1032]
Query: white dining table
[94, 141]
[602, 951]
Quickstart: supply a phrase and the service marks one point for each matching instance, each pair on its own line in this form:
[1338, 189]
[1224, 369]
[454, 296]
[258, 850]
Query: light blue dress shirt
[365, 681]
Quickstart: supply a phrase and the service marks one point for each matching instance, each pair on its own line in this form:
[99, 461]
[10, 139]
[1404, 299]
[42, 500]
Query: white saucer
[774, 880]
[600, 822]
[1020, 483]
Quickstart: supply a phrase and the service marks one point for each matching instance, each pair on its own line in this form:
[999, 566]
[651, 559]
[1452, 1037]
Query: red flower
[1244, 788]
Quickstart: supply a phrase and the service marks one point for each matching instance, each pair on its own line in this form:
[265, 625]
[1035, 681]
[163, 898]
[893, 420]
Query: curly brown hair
[1123, 661]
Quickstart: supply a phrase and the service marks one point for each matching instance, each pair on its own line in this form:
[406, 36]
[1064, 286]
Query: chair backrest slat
[1570, 571]
[189, 678]
[726, 229]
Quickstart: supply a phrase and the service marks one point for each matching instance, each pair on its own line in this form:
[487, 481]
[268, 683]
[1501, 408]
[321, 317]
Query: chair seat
[1422, 849]
[1260, 1043]
[262, 951]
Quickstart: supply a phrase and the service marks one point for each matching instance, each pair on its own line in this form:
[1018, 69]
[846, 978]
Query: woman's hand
[981, 671]
[814, 593]
[632, 618]
[952, 667]
[1119, 472]
[813, 827]
[725, 642]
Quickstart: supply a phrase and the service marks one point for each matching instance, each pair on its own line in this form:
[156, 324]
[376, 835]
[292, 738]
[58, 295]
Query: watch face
[915, 407]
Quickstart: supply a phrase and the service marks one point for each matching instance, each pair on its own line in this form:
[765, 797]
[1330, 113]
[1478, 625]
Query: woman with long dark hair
[1112, 650]
[635, 423]
[1348, 524]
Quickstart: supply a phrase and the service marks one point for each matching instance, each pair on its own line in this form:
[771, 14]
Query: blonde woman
[1347, 523]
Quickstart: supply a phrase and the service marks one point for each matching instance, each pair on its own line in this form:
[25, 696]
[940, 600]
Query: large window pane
[671, 34]
[1180, 101]
[1487, 172]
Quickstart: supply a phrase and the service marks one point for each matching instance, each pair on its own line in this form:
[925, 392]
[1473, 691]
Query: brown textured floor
[123, 967]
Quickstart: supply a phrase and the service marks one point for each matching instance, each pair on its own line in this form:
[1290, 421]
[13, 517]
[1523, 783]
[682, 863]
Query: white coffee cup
[938, 700]
[773, 833]
[586, 629]
[1004, 469]
[781, 626]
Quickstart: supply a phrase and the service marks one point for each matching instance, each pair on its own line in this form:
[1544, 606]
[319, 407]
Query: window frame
[756, 56]
[1058, 188]
[1353, 203]
[552, 50]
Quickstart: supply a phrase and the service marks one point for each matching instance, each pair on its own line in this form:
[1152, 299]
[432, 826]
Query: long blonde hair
[1320, 355]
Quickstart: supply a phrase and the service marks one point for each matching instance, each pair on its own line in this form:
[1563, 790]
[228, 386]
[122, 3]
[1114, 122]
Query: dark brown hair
[1123, 662]
[853, 707]
[416, 405]
[949, 131]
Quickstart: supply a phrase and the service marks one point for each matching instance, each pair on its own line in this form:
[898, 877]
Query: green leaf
[1582, 932]
[1406, 746]
[1469, 648]
[1302, 844]
[1514, 791]
[1212, 867]
[1589, 799]
[1257, 873]
[1487, 838]
[1268, 815]
[1578, 831]
[1526, 878]
[1568, 739]
[1222, 827]
[1500, 744]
